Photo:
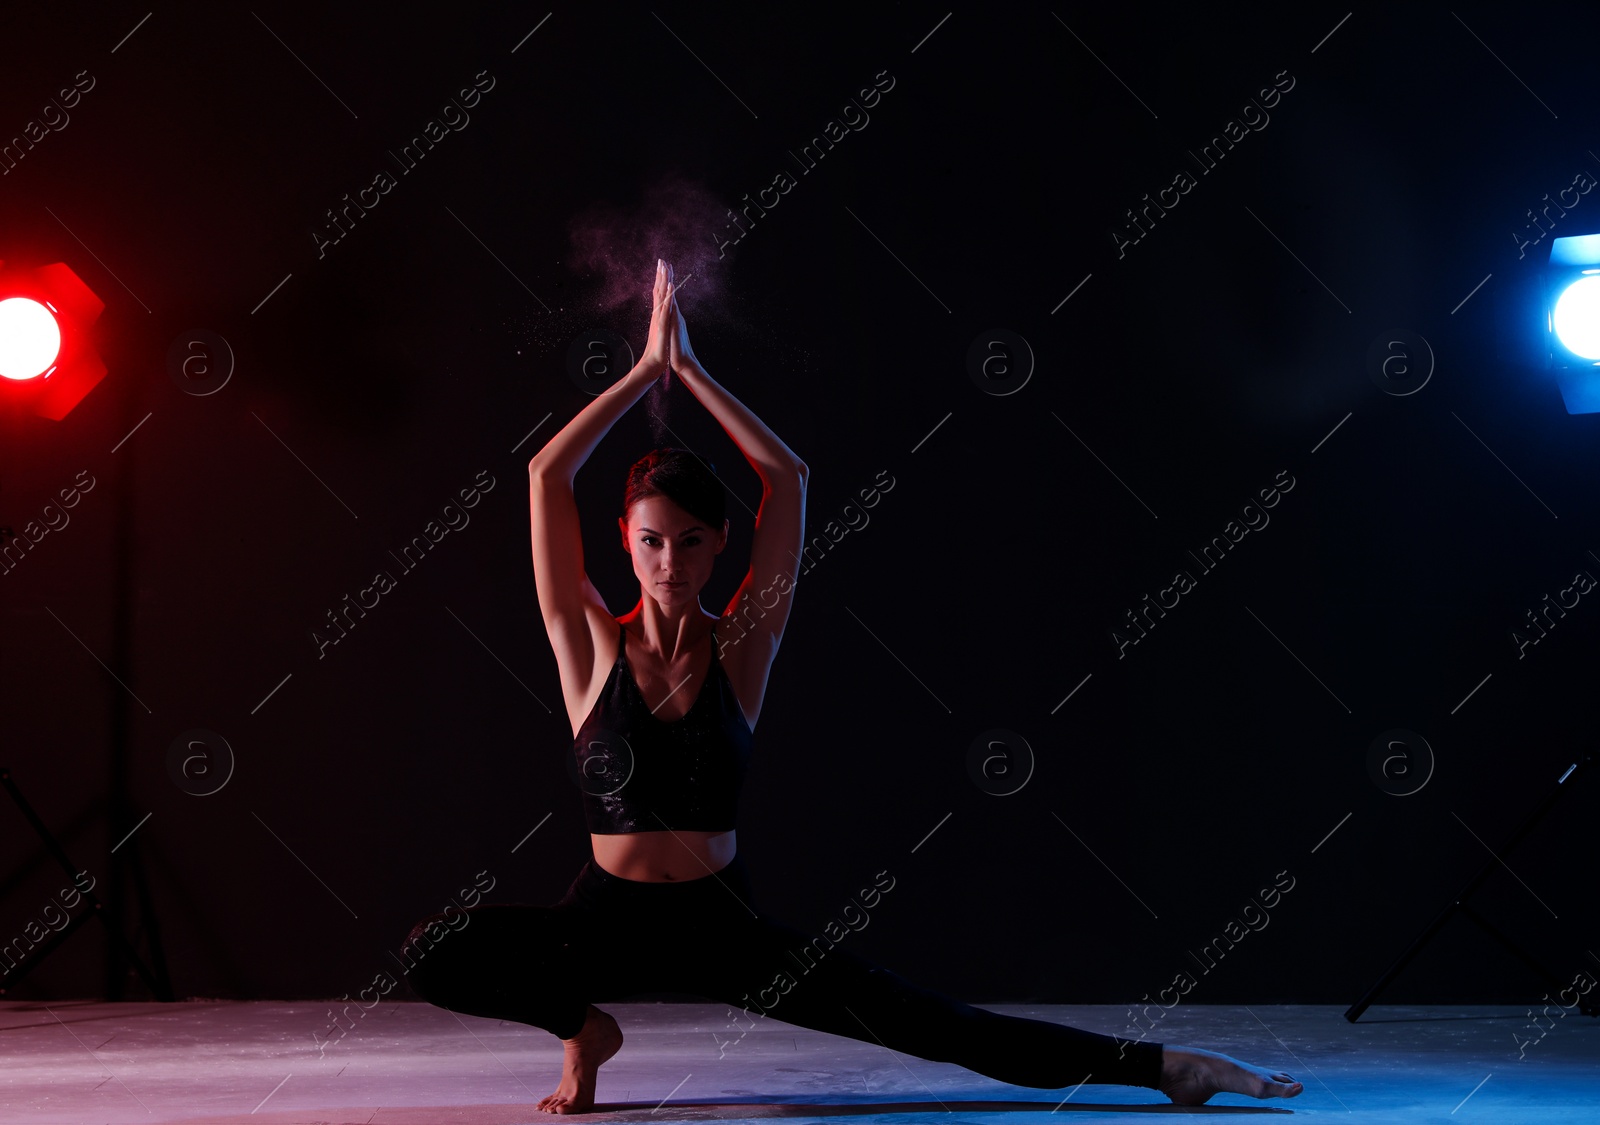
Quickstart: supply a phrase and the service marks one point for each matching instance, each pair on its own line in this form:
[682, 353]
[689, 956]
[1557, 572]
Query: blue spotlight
[1576, 319]
[1572, 320]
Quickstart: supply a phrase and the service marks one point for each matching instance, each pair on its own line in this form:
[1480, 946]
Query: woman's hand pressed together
[679, 351]
[657, 349]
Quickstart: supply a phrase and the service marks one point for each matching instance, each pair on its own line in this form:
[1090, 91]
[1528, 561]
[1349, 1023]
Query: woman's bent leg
[538, 965]
[504, 961]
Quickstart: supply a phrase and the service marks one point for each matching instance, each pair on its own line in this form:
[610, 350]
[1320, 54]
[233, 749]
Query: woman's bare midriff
[663, 857]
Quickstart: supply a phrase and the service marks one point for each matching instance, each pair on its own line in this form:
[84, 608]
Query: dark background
[424, 347]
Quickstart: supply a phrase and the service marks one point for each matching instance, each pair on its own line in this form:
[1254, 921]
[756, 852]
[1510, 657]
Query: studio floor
[405, 1063]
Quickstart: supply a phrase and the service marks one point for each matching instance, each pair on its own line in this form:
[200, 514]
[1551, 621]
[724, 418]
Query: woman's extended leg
[715, 942]
[787, 976]
[773, 970]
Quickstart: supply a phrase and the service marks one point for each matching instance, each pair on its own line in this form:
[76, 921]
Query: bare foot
[599, 1039]
[1189, 1076]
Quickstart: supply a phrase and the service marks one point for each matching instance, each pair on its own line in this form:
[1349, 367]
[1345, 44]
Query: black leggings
[609, 938]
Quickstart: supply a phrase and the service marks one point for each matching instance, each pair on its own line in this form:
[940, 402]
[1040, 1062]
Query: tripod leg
[1394, 970]
[161, 986]
[1516, 951]
[120, 946]
[1353, 1013]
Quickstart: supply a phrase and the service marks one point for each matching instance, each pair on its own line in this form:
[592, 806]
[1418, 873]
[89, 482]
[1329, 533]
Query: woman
[662, 705]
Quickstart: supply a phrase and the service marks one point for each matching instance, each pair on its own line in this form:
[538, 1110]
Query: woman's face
[672, 551]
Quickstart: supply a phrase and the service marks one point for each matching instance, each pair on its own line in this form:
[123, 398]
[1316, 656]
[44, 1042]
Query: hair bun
[682, 476]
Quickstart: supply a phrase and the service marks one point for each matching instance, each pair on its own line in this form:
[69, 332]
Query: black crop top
[633, 768]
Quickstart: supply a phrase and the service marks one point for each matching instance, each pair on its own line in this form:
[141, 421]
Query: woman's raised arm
[566, 452]
[761, 603]
[567, 599]
[772, 460]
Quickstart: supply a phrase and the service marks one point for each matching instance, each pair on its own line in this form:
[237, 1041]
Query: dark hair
[681, 476]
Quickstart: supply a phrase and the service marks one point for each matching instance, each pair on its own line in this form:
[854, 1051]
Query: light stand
[1589, 1007]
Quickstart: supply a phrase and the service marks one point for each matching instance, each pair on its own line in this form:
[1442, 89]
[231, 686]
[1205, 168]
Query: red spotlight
[30, 339]
[46, 359]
